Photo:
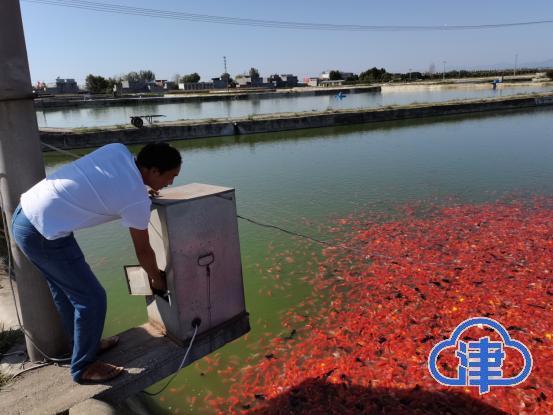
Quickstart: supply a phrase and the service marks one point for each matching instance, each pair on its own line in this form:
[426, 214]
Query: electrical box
[194, 233]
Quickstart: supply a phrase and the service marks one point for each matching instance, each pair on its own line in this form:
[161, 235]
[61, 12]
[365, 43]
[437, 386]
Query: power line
[205, 18]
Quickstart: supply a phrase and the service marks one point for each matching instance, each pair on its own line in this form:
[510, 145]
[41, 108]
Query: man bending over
[105, 185]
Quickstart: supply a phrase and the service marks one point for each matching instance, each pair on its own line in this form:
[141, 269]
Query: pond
[304, 181]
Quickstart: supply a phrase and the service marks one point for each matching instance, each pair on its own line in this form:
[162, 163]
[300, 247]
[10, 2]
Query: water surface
[304, 180]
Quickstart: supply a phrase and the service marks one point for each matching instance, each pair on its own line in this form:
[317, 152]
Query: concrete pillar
[21, 166]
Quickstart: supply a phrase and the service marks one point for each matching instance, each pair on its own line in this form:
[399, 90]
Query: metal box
[194, 233]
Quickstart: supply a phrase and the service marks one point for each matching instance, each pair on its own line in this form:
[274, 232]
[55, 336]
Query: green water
[304, 180]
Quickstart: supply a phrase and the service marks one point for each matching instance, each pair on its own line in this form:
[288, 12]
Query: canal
[94, 117]
[305, 181]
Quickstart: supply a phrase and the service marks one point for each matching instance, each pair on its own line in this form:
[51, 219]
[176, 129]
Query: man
[102, 186]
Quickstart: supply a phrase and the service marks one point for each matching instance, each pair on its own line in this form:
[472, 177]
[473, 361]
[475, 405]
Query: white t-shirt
[100, 187]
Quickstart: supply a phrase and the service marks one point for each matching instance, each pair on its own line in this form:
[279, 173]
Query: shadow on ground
[318, 397]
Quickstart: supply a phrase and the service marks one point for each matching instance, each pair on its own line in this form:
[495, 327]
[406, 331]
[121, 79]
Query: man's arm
[147, 258]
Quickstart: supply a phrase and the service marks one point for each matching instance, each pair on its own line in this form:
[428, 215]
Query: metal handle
[206, 260]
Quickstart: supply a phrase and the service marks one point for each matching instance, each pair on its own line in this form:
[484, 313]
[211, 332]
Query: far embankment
[191, 129]
[138, 99]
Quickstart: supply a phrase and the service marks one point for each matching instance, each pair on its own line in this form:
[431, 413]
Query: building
[291, 81]
[220, 83]
[216, 83]
[283, 80]
[312, 81]
[246, 81]
[62, 86]
[336, 82]
[156, 86]
[130, 87]
[196, 86]
[325, 76]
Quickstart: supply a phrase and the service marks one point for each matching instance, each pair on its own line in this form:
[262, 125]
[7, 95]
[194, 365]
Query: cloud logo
[480, 361]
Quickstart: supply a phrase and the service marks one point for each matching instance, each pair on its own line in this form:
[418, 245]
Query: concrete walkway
[144, 352]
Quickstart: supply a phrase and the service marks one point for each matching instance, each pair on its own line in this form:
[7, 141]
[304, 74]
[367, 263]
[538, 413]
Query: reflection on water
[302, 180]
[91, 117]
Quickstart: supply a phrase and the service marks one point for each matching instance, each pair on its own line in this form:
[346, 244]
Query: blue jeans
[79, 297]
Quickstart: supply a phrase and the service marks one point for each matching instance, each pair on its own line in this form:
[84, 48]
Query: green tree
[144, 75]
[254, 73]
[374, 75]
[193, 77]
[226, 77]
[335, 75]
[147, 75]
[132, 77]
[111, 82]
[97, 84]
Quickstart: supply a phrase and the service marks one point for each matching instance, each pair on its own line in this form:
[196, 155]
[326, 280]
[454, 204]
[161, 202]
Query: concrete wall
[281, 122]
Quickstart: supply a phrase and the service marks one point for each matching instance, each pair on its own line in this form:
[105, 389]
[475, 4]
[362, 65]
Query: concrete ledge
[143, 351]
[186, 130]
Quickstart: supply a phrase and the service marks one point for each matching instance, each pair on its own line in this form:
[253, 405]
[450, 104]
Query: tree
[147, 75]
[375, 75]
[193, 77]
[144, 75]
[96, 84]
[226, 77]
[549, 74]
[131, 77]
[334, 75]
[254, 73]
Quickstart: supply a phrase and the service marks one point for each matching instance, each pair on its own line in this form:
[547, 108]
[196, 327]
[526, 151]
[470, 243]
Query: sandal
[108, 343]
[99, 372]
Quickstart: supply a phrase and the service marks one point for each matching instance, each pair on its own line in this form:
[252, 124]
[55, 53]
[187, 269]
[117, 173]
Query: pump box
[194, 233]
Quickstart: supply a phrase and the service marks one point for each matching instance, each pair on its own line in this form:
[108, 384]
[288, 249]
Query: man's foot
[98, 372]
[108, 343]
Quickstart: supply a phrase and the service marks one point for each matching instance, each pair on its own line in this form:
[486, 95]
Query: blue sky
[72, 43]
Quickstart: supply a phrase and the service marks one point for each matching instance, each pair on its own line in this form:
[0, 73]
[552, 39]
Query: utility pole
[21, 166]
[227, 75]
[443, 73]
[515, 68]
[410, 70]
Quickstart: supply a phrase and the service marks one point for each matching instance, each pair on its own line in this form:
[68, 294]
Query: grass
[7, 339]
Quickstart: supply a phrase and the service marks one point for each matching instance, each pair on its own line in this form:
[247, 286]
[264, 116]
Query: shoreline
[71, 102]
[63, 103]
[191, 129]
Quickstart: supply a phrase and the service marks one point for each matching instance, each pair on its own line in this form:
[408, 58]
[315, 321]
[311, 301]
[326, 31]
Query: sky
[72, 43]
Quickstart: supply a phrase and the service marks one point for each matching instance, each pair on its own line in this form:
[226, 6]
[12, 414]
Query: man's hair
[159, 155]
